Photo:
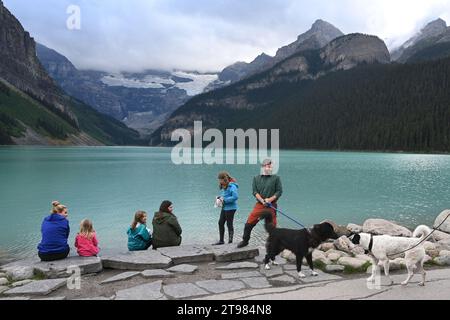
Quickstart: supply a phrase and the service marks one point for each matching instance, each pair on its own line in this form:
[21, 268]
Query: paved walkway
[437, 288]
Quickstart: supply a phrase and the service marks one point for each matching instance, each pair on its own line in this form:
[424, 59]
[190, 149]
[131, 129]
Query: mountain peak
[435, 27]
[320, 34]
[263, 57]
[320, 24]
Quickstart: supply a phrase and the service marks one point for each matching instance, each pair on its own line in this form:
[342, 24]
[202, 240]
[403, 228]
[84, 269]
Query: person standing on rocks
[166, 229]
[228, 199]
[267, 189]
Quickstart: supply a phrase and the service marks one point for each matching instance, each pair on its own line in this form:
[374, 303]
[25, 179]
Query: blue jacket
[230, 196]
[139, 238]
[55, 232]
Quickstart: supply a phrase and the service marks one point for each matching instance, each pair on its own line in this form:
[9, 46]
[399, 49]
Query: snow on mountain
[197, 85]
[193, 83]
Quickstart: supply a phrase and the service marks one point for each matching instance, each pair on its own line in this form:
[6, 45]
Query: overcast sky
[207, 35]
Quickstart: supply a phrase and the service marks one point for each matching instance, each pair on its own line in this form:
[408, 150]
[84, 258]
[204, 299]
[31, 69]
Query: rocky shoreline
[197, 271]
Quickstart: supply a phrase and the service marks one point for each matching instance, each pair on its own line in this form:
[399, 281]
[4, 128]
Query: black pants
[228, 217]
[53, 256]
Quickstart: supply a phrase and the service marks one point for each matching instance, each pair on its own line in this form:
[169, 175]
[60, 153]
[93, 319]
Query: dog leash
[269, 205]
[423, 240]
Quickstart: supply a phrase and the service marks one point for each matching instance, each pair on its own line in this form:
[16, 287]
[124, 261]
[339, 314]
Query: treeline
[372, 107]
[377, 107]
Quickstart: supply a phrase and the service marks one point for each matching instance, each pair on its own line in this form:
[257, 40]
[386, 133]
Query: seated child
[86, 240]
[139, 237]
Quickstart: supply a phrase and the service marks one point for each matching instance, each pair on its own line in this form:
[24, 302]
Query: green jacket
[267, 186]
[166, 230]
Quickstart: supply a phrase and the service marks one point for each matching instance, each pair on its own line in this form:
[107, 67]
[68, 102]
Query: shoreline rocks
[223, 268]
[384, 227]
[445, 227]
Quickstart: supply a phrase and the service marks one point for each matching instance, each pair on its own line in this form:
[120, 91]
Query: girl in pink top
[86, 240]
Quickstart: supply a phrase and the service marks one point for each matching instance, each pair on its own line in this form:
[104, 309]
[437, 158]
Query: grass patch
[362, 269]
[38, 276]
[320, 265]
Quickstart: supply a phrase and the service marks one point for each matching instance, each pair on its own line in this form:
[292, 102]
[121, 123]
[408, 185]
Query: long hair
[225, 176]
[87, 229]
[138, 219]
[164, 207]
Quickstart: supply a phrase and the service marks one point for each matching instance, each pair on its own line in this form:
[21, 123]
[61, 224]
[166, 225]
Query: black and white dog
[300, 242]
[383, 248]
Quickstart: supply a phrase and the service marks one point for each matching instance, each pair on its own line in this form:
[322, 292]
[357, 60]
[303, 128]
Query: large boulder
[18, 273]
[320, 256]
[443, 259]
[344, 244]
[384, 227]
[289, 256]
[326, 246]
[445, 227]
[431, 249]
[439, 235]
[335, 255]
[355, 228]
[443, 245]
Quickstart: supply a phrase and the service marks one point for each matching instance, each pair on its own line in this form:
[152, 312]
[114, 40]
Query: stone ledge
[43, 287]
[187, 254]
[58, 269]
[229, 253]
[137, 261]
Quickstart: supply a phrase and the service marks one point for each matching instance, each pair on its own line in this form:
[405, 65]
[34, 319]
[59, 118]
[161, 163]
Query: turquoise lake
[108, 184]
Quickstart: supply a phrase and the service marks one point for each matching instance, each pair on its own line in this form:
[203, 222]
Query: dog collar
[315, 241]
[370, 245]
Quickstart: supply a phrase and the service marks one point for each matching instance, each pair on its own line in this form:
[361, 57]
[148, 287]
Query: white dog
[383, 248]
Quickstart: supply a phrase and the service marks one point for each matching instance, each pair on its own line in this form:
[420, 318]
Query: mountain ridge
[34, 110]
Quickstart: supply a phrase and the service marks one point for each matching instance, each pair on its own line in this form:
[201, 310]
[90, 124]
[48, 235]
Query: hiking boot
[243, 244]
[246, 237]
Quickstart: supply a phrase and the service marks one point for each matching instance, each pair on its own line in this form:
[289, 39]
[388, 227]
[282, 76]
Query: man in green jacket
[267, 189]
[166, 229]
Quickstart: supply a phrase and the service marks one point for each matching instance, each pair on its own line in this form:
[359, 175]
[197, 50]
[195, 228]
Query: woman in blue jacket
[228, 198]
[55, 232]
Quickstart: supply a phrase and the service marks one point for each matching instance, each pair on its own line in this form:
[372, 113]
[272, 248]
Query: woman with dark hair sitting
[166, 229]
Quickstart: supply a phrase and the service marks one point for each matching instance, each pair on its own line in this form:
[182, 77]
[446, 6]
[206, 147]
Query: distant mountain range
[141, 100]
[346, 95]
[434, 37]
[34, 110]
[326, 90]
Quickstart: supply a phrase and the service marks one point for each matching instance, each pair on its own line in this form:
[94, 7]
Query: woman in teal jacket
[228, 198]
[139, 238]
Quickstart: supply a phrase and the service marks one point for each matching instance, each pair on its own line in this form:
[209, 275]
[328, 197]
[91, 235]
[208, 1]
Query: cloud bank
[207, 35]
